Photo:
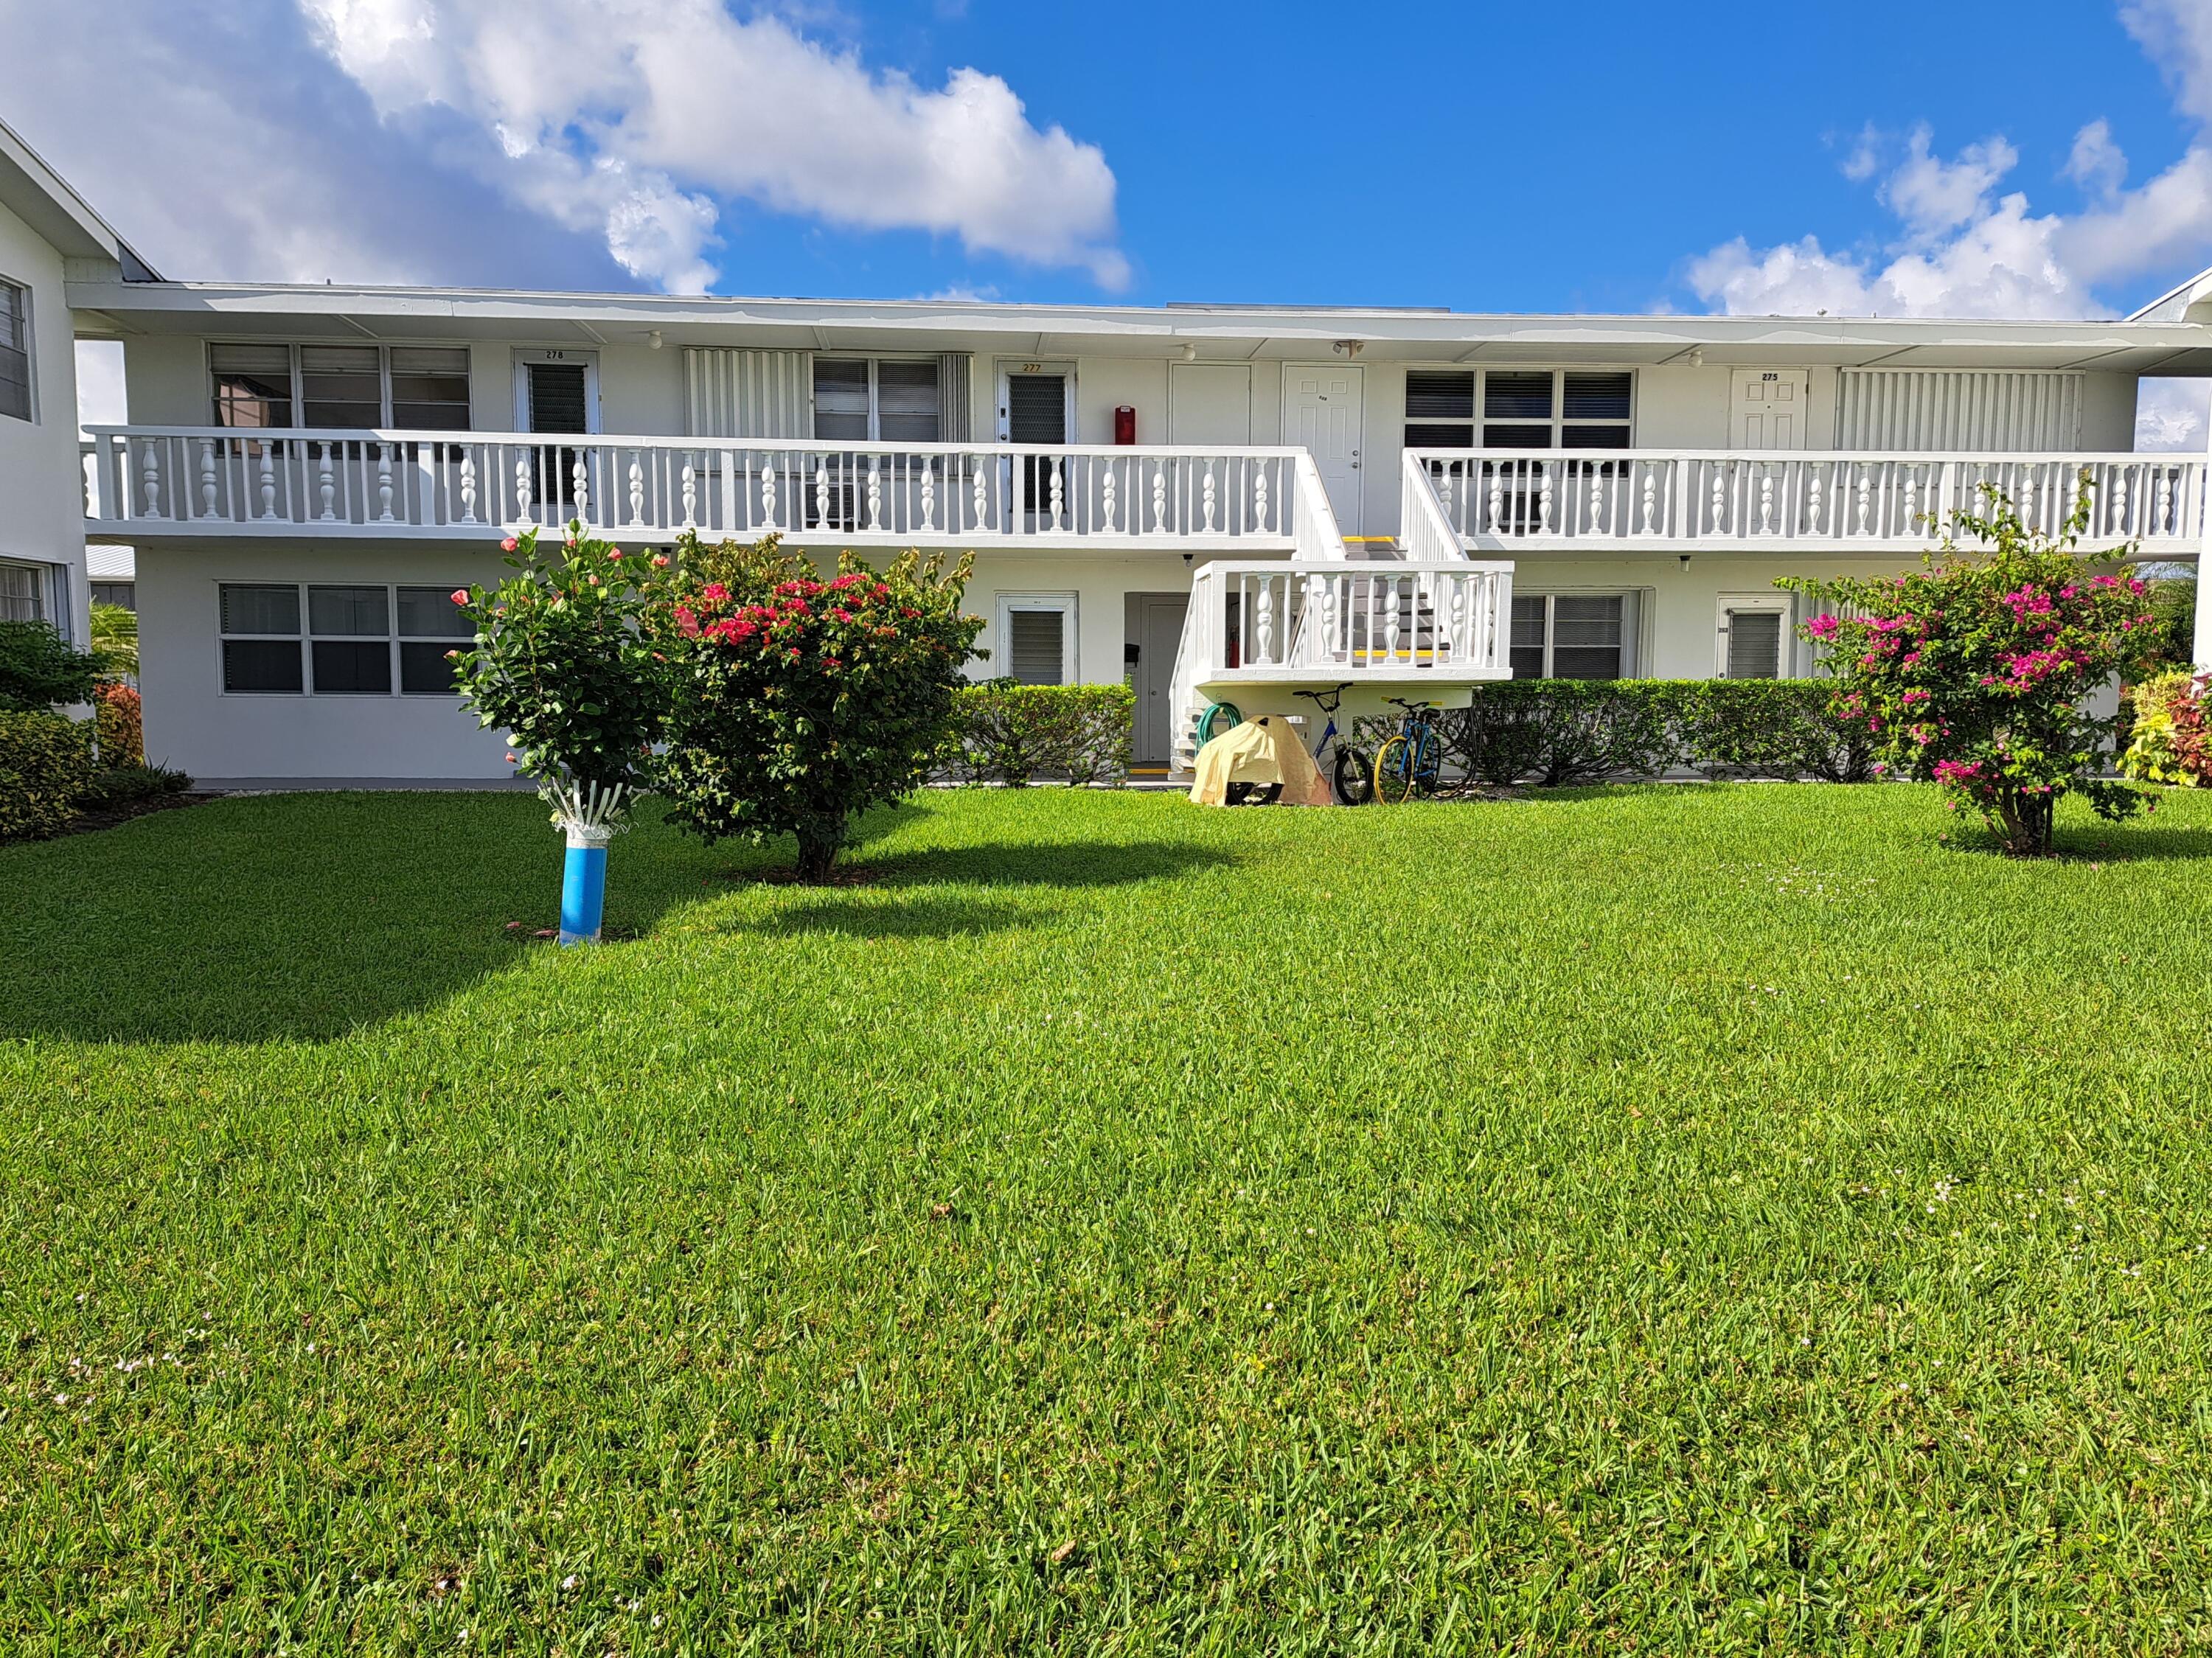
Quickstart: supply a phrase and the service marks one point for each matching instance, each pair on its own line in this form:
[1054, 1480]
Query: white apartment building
[48, 237]
[1207, 500]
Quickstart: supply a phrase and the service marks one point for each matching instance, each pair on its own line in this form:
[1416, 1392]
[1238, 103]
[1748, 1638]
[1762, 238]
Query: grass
[1683, 1219]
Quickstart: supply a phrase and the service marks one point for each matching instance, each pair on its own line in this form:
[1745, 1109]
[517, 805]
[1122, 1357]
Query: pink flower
[660, 560]
[460, 595]
[614, 555]
[509, 544]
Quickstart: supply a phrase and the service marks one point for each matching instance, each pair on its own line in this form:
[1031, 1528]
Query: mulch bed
[86, 823]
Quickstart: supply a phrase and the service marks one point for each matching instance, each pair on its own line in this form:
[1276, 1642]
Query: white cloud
[637, 117]
[1963, 249]
[2173, 414]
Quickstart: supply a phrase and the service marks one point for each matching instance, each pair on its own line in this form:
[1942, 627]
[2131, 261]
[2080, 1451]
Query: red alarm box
[1125, 425]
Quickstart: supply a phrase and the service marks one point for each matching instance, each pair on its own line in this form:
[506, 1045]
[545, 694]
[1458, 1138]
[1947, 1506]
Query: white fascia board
[46, 201]
[1235, 332]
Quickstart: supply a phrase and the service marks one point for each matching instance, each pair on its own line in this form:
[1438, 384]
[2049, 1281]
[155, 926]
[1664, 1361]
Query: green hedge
[47, 763]
[1557, 733]
[1007, 732]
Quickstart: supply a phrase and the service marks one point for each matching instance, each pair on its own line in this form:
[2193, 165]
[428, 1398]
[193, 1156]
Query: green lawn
[1696, 1219]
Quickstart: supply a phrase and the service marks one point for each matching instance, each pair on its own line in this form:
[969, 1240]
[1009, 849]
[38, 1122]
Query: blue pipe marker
[584, 886]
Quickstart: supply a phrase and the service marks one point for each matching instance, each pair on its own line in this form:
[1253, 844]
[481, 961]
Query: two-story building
[1207, 500]
[48, 237]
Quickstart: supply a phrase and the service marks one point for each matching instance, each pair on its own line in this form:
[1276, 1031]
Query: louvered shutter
[954, 378]
[1036, 645]
[1754, 644]
[1947, 409]
[748, 394]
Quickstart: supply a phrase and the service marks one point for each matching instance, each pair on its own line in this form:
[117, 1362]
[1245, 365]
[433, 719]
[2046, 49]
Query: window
[1036, 638]
[351, 646]
[261, 639]
[1520, 408]
[873, 400]
[124, 593]
[418, 388]
[352, 631]
[1571, 635]
[430, 624]
[14, 351]
[22, 593]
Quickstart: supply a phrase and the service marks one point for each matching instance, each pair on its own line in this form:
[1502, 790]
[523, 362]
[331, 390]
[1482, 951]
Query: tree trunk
[818, 844]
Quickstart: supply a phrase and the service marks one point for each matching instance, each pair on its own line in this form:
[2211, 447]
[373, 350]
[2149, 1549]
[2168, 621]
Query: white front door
[1767, 408]
[1323, 408]
[1754, 636]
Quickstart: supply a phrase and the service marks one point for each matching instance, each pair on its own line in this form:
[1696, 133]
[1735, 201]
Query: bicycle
[1354, 780]
[1411, 762]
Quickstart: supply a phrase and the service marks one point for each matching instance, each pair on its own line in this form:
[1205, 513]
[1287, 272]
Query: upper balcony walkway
[1649, 501]
[148, 483]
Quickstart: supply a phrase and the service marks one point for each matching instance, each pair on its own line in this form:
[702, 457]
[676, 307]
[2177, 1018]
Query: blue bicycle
[1410, 762]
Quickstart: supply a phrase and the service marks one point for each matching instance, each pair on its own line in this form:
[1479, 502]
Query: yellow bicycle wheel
[1394, 772]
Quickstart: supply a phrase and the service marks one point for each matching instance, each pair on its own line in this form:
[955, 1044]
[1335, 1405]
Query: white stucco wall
[41, 488]
[191, 722]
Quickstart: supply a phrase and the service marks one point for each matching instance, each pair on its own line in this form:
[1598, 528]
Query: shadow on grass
[302, 917]
[298, 916]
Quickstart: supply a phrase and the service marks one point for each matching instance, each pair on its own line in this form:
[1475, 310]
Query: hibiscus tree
[1977, 673]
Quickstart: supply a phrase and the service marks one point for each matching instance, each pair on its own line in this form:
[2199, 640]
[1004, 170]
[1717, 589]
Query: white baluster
[1159, 495]
[2027, 496]
[581, 479]
[1454, 639]
[384, 484]
[875, 495]
[1909, 499]
[1106, 497]
[690, 490]
[1260, 499]
[1812, 475]
[207, 477]
[1498, 499]
[468, 485]
[1267, 618]
[1205, 500]
[2162, 506]
[636, 491]
[1596, 525]
[1054, 492]
[768, 495]
[1390, 619]
[1329, 614]
[268, 480]
[1866, 492]
[1445, 489]
[326, 483]
[1544, 495]
[522, 488]
[928, 494]
[981, 492]
[2120, 501]
[150, 475]
[1650, 496]
[1720, 497]
[822, 489]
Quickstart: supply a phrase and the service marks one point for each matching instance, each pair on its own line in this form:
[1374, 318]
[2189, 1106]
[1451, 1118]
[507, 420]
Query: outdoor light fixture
[1189, 351]
[1347, 348]
[652, 339]
[1697, 356]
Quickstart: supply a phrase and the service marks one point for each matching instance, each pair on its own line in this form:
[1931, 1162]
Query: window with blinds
[877, 400]
[351, 645]
[14, 351]
[1947, 409]
[22, 595]
[1571, 636]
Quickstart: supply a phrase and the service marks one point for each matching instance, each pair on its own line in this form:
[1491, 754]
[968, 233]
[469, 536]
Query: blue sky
[2024, 158]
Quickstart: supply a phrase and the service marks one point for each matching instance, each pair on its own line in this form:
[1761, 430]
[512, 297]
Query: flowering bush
[2173, 731]
[561, 661]
[796, 703]
[1975, 673]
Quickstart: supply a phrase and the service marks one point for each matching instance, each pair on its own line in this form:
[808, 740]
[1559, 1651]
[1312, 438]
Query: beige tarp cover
[1263, 750]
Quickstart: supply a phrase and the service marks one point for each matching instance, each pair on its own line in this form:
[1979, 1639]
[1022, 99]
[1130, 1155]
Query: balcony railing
[1546, 499]
[154, 481]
